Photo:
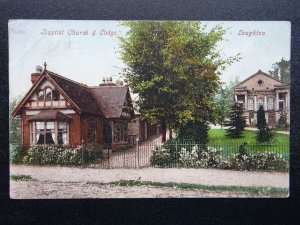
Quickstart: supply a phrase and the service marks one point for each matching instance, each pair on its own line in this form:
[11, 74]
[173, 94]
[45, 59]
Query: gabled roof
[111, 99]
[257, 73]
[78, 93]
[100, 100]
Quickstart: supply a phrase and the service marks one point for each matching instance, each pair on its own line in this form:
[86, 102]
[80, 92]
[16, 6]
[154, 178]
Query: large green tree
[223, 101]
[281, 70]
[174, 68]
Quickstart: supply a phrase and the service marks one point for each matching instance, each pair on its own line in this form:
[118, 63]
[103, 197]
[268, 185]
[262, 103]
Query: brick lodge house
[58, 110]
[263, 89]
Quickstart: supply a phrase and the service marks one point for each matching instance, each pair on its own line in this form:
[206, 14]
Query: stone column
[245, 106]
[265, 103]
[255, 105]
[277, 101]
[235, 98]
[287, 101]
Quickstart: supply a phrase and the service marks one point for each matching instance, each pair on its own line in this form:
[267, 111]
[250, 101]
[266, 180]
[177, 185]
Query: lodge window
[55, 95]
[91, 131]
[40, 95]
[120, 131]
[250, 104]
[48, 133]
[48, 92]
[270, 103]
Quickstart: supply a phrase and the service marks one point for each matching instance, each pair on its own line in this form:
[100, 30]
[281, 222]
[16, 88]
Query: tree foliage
[195, 131]
[14, 123]
[264, 134]
[223, 101]
[281, 70]
[237, 122]
[174, 68]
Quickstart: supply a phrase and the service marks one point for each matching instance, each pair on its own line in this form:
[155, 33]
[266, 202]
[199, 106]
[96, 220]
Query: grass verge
[21, 178]
[269, 190]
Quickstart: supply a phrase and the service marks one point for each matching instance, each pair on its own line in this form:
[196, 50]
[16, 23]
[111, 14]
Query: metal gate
[134, 157]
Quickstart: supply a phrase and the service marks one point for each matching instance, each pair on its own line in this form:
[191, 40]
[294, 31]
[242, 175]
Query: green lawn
[228, 146]
[218, 136]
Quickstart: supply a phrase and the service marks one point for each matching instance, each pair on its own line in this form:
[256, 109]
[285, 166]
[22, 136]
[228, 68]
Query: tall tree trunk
[164, 132]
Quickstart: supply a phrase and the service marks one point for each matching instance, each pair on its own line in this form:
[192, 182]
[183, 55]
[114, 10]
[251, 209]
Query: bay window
[49, 132]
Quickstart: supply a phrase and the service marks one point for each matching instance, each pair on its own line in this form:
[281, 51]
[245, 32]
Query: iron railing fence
[240, 156]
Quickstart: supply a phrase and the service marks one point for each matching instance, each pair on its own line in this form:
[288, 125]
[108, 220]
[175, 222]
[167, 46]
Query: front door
[272, 120]
[107, 134]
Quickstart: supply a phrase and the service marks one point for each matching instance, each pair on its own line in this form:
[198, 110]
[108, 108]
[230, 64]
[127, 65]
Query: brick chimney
[35, 76]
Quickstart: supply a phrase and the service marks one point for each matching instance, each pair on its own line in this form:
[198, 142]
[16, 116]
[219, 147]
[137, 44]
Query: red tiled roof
[106, 100]
[78, 93]
[111, 99]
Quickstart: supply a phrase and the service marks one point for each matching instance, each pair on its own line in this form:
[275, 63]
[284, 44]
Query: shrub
[282, 122]
[195, 131]
[17, 152]
[261, 161]
[198, 156]
[209, 157]
[63, 155]
[189, 159]
[264, 135]
[161, 157]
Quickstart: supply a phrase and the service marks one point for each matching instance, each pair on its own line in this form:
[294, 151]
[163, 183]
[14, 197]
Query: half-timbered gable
[58, 110]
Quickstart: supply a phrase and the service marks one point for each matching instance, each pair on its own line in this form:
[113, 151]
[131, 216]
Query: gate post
[137, 150]
[108, 156]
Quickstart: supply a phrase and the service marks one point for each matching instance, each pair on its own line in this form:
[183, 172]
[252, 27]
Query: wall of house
[74, 129]
[25, 129]
[84, 126]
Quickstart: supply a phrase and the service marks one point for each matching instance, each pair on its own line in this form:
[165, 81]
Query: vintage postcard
[149, 109]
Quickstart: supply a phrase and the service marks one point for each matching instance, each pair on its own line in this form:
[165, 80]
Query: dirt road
[70, 178]
[63, 190]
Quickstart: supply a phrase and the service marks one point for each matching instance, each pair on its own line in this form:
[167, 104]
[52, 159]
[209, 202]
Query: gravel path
[50, 190]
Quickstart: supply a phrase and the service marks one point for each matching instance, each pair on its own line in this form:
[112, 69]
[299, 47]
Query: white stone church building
[263, 89]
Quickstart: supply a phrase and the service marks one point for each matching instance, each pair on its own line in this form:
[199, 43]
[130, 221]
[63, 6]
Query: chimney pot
[36, 75]
[39, 69]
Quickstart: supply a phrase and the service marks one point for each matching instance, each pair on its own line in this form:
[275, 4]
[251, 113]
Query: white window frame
[250, 104]
[33, 132]
[270, 104]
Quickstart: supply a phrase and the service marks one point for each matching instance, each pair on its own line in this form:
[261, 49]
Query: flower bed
[209, 157]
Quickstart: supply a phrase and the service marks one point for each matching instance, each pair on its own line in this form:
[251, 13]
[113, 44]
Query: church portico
[262, 89]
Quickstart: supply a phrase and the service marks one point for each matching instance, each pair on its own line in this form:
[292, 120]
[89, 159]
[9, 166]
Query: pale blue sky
[87, 58]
